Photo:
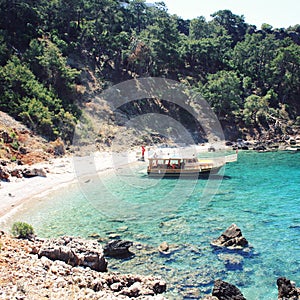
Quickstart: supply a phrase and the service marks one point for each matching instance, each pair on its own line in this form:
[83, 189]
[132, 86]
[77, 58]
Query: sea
[260, 193]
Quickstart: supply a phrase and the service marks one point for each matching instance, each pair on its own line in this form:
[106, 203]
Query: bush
[22, 230]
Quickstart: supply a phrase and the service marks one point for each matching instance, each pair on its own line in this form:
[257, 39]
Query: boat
[186, 167]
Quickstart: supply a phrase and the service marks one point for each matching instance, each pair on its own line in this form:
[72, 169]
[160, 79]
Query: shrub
[22, 230]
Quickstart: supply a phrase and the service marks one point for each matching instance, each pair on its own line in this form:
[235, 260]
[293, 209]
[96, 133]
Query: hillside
[56, 59]
[18, 143]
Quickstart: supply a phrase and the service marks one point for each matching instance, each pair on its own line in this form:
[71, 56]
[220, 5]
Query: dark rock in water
[287, 289]
[231, 238]
[75, 252]
[226, 291]
[118, 248]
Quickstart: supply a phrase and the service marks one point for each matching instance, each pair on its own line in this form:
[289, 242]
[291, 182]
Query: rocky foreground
[75, 268]
[27, 273]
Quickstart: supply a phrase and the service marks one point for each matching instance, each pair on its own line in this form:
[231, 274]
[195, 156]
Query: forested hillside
[50, 50]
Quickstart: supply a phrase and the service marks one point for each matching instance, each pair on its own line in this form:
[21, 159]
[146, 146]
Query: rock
[164, 248]
[114, 236]
[6, 138]
[27, 173]
[118, 248]
[133, 291]
[16, 173]
[23, 150]
[76, 252]
[231, 238]
[116, 287]
[226, 291]
[4, 174]
[260, 148]
[210, 298]
[232, 261]
[287, 289]
[159, 286]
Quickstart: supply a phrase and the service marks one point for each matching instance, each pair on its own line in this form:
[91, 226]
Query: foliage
[25, 98]
[222, 91]
[22, 230]
[247, 74]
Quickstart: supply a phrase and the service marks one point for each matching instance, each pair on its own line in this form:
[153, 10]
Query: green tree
[253, 57]
[286, 76]
[26, 99]
[223, 93]
[234, 24]
[257, 109]
[51, 67]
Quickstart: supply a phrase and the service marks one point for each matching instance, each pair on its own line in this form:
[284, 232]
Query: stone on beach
[4, 174]
[76, 252]
[231, 238]
[34, 172]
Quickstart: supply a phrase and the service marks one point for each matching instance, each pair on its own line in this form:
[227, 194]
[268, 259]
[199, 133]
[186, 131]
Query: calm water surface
[260, 193]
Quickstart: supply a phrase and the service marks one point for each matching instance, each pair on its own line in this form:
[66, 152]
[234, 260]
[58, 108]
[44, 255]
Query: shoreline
[60, 172]
[65, 171]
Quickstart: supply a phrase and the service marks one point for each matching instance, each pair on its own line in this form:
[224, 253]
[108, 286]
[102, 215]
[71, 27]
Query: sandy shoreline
[67, 170]
[62, 171]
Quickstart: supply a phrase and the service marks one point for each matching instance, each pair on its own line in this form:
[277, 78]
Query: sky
[278, 13]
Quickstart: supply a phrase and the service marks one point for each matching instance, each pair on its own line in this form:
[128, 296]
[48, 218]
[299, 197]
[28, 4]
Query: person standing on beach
[143, 153]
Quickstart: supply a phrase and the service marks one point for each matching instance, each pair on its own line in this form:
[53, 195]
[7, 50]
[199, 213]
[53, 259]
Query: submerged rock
[118, 248]
[231, 238]
[76, 252]
[164, 248]
[232, 261]
[287, 289]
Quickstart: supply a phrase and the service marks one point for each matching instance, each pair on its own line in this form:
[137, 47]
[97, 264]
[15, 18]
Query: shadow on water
[200, 177]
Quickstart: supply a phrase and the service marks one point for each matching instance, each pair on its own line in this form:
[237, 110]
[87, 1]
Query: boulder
[287, 289]
[16, 173]
[226, 291]
[118, 248]
[23, 150]
[76, 252]
[4, 174]
[27, 173]
[7, 139]
[231, 238]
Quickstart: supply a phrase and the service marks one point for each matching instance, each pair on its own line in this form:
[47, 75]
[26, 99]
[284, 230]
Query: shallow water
[260, 193]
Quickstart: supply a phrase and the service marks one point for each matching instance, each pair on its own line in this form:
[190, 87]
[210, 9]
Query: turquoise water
[260, 193]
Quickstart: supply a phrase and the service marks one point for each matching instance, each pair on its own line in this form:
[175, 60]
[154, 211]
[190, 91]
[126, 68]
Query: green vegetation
[22, 230]
[250, 76]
